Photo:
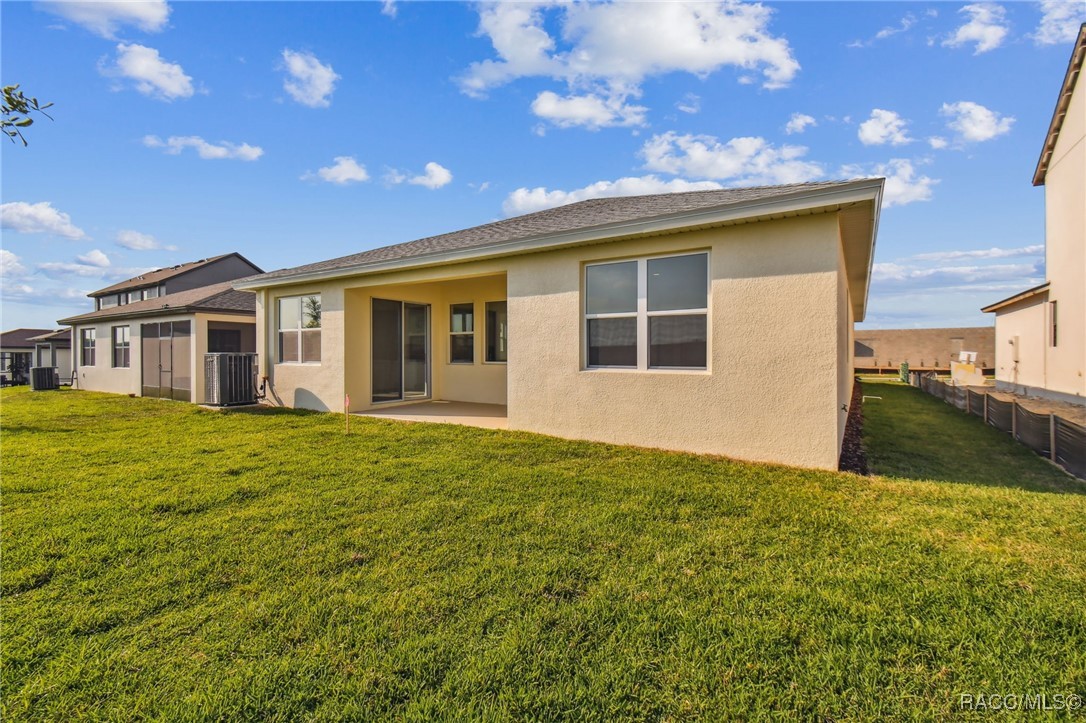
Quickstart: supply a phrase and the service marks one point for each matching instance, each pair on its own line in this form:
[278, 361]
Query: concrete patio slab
[489, 416]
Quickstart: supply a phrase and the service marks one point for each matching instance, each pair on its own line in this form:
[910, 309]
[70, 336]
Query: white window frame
[125, 346]
[300, 329]
[642, 315]
[88, 334]
[462, 333]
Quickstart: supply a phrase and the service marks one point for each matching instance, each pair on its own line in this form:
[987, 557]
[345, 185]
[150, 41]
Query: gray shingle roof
[20, 338]
[573, 217]
[61, 335]
[221, 298]
[159, 275]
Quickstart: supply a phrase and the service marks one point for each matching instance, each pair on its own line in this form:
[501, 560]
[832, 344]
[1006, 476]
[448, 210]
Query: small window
[121, 346]
[107, 302]
[648, 313]
[462, 333]
[86, 347]
[151, 293]
[300, 329]
[1055, 326]
[497, 331]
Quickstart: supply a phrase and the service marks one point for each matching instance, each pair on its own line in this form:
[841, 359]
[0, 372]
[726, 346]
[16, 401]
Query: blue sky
[295, 132]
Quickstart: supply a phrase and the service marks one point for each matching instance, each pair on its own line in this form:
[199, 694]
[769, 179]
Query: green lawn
[166, 562]
[909, 433]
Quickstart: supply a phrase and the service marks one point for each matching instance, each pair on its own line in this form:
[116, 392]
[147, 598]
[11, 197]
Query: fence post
[1052, 436]
[985, 407]
[1014, 419]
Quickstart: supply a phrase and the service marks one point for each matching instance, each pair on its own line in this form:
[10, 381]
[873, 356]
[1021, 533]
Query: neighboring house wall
[1065, 249]
[104, 377]
[1022, 343]
[49, 354]
[922, 348]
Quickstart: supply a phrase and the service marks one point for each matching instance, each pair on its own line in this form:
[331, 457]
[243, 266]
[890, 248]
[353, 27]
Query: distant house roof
[1020, 296]
[20, 338]
[606, 219]
[1074, 70]
[221, 298]
[61, 335]
[151, 278]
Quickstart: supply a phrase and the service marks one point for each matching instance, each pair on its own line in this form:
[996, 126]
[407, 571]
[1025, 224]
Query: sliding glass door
[401, 350]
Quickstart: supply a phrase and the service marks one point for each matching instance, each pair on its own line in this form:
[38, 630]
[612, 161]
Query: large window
[86, 347]
[497, 332]
[462, 333]
[649, 313]
[121, 346]
[300, 329]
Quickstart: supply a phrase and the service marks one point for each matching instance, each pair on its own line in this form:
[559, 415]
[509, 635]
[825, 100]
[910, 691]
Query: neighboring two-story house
[147, 335]
[1041, 332]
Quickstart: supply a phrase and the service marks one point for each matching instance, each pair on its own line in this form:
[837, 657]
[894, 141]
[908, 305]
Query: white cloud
[388, 7]
[907, 22]
[740, 161]
[1060, 21]
[309, 81]
[992, 253]
[106, 18]
[937, 142]
[136, 241]
[223, 150]
[26, 294]
[10, 265]
[590, 111]
[690, 103]
[23, 217]
[974, 123]
[435, 176]
[150, 74]
[798, 123]
[886, 277]
[884, 126]
[527, 200]
[94, 257]
[987, 28]
[608, 49]
[903, 184]
[344, 170]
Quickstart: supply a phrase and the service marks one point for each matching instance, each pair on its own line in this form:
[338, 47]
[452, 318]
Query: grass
[169, 563]
[911, 434]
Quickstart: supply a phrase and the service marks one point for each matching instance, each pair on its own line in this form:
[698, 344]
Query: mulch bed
[853, 457]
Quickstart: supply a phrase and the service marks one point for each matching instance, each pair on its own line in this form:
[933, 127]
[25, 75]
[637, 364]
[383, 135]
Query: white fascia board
[858, 191]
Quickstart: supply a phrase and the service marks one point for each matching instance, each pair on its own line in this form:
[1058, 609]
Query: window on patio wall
[462, 333]
[300, 329]
[497, 332]
[648, 313]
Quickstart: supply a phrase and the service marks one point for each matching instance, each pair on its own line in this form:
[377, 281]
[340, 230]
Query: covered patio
[470, 414]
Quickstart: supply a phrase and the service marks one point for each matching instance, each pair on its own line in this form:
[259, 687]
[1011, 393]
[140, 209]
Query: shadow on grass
[908, 433]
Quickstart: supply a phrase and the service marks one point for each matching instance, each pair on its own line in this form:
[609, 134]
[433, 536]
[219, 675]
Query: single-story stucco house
[714, 322]
[17, 354]
[54, 349]
[150, 336]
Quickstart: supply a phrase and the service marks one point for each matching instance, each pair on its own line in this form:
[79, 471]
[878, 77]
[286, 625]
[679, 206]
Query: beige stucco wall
[771, 389]
[845, 347]
[1026, 321]
[1065, 248]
